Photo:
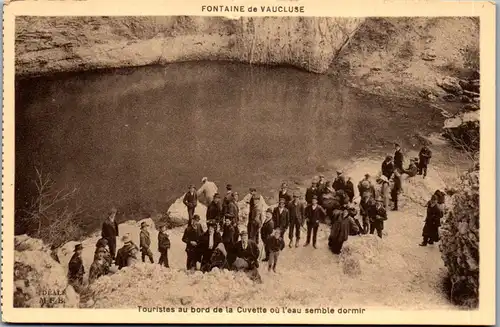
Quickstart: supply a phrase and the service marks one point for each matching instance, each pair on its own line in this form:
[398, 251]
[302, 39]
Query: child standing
[275, 244]
[163, 245]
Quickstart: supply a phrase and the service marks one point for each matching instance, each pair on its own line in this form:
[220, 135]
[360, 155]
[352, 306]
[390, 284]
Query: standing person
[396, 188]
[76, 269]
[214, 210]
[231, 207]
[229, 188]
[229, 235]
[266, 230]
[314, 213]
[387, 167]
[163, 246]
[312, 191]
[283, 194]
[424, 156]
[296, 210]
[321, 188]
[349, 189]
[255, 220]
[342, 224]
[339, 182]
[377, 215]
[191, 237]
[430, 232]
[367, 201]
[281, 216]
[100, 267]
[274, 244]
[385, 191]
[145, 243]
[208, 243]
[398, 157]
[110, 232]
[251, 203]
[365, 186]
[190, 201]
[207, 191]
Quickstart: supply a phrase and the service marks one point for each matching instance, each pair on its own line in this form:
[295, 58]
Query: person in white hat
[207, 191]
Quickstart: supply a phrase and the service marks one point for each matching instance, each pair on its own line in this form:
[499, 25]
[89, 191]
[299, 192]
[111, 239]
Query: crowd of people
[226, 245]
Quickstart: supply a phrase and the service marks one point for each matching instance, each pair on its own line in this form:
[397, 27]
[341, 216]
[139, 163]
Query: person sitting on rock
[284, 194]
[207, 191]
[219, 258]
[388, 167]
[377, 215]
[266, 231]
[274, 245]
[163, 246]
[339, 182]
[145, 243]
[102, 245]
[412, 170]
[424, 156]
[127, 255]
[208, 242]
[100, 266]
[191, 237]
[76, 270]
[342, 224]
[214, 210]
[246, 253]
[430, 232]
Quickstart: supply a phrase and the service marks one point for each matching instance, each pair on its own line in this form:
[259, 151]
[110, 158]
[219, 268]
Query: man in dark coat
[377, 215]
[248, 252]
[311, 191]
[100, 266]
[430, 232]
[76, 269]
[163, 245]
[284, 194]
[229, 235]
[190, 201]
[296, 211]
[267, 230]
[214, 211]
[339, 182]
[314, 213]
[231, 207]
[321, 189]
[251, 202]
[342, 224]
[349, 189]
[412, 170]
[281, 216]
[192, 236]
[398, 157]
[424, 156]
[387, 167]
[255, 220]
[366, 202]
[110, 232]
[208, 243]
[145, 243]
[396, 188]
[365, 187]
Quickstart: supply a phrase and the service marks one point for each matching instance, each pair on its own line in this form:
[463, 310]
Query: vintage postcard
[319, 162]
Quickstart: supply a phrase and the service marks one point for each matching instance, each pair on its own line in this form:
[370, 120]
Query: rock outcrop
[60, 44]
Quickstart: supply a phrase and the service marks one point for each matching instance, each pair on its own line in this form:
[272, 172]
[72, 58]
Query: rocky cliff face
[55, 44]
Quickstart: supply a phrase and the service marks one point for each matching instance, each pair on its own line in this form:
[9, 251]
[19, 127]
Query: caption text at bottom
[254, 310]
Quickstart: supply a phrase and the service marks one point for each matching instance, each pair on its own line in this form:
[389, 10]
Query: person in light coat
[207, 191]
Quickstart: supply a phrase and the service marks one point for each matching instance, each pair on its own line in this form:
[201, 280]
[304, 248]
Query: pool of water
[135, 138]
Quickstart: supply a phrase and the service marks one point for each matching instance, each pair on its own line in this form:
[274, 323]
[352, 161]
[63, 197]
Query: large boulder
[451, 84]
[463, 130]
[460, 242]
[177, 213]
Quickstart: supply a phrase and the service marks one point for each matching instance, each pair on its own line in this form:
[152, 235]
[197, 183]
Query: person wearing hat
[229, 234]
[342, 225]
[76, 269]
[430, 232]
[255, 220]
[192, 236]
[100, 267]
[246, 254]
[312, 191]
[102, 244]
[229, 188]
[251, 202]
[274, 245]
[296, 211]
[321, 188]
[339, 183]
[110, 232]
[208, 242]
[127, 254]
[388, 167]
[145, 243]
[424, 156]
[377, 215]
[284, 194]
[163, 246]
[365, 186]
[385, 190]
[314, 213]
[397, 186]
[412, 170]
[206, 191]
[190, 200]
[231, 208]
[398, 157]
[281, 216]
[365, 204]
[349, 189]
[266, 231]
[214, 210]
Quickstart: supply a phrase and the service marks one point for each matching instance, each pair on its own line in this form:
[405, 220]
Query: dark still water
[136, 138]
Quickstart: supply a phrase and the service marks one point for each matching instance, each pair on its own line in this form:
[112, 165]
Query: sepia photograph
[300, 166]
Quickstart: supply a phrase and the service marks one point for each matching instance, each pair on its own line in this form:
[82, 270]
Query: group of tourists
[226, 245]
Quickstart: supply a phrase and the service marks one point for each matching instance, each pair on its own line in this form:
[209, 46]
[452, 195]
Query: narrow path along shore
[371, 272]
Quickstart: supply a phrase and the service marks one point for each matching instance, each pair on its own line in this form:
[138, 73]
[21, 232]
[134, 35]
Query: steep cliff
[56, 44]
